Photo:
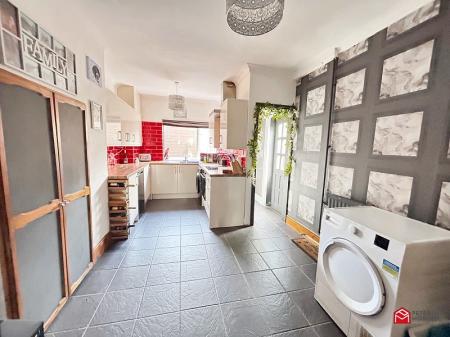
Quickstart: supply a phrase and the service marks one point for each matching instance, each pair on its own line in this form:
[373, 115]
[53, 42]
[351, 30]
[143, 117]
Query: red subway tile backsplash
[151, 143]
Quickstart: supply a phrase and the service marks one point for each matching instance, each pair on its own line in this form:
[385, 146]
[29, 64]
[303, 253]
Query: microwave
[145, 157]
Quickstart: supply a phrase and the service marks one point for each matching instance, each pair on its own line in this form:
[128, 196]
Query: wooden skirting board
[101, 247]
[298, 227]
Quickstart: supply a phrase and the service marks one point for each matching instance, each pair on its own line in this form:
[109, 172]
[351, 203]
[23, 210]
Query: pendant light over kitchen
[176, 102]
[254, 17]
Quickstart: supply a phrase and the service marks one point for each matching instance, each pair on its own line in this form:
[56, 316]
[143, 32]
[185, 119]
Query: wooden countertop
[123, 171]
[172, 162]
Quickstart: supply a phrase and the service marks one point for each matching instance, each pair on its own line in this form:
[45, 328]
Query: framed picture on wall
[94, 72]
[96, 116]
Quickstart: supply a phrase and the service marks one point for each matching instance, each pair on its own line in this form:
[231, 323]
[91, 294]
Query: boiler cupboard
[44, 197]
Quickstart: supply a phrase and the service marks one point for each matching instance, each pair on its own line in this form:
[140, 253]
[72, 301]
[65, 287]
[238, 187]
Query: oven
[201, 179]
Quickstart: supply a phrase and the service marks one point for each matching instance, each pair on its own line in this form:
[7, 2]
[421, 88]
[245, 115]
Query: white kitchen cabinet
[214, 129]
[233, 123]
[113, 132]
[131, 133]
[187, 179]
[133, 197]
[171, 181]
[164, 179]
[147, 183]
[225, 201]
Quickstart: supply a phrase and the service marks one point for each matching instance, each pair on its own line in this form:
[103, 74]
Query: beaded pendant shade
[176, 102]
[254, 17]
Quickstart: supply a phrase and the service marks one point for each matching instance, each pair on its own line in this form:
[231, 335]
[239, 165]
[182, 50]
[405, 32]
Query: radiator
[333, 201]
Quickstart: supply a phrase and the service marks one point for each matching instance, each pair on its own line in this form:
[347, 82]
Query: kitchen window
[185, 142]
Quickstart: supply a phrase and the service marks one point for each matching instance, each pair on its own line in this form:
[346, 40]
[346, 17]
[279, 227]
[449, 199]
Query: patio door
[43, 210]
[279, 179]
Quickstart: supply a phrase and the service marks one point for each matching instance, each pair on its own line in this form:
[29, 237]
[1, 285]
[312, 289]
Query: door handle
[64, 203]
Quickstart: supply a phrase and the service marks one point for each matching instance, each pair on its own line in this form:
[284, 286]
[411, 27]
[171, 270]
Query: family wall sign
[28, 47]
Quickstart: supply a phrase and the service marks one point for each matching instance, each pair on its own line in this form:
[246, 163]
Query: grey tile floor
[176, 277]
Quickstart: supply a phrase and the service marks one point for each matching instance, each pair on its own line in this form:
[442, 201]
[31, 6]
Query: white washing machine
[373, 263]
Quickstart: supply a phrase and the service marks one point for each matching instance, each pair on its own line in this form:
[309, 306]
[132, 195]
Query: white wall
[68, 26]
[267, 84]
[155, 108]
[117, 107]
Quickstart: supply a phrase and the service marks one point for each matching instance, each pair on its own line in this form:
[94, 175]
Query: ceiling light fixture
[176, 102]
[254, 17]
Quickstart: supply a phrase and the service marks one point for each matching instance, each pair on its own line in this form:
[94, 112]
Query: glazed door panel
[32, 199]
[73, 162]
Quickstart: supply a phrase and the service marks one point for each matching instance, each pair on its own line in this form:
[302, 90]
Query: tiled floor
[176, 277]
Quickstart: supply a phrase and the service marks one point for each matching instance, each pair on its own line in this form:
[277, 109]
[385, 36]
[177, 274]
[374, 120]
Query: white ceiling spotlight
[177, 103]
[254, 17]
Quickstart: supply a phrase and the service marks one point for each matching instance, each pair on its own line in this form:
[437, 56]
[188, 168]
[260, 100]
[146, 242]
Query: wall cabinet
[123, 133]
[233, 123]
[113, 132]
[172, 181]
[123, 122]
[131, 133]
[214, 129]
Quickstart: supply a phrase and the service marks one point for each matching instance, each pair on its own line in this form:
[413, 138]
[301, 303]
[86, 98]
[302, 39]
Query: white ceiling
[151, 43]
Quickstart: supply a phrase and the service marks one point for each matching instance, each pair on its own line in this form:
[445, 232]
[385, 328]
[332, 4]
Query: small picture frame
[96, 116]
[94, 72]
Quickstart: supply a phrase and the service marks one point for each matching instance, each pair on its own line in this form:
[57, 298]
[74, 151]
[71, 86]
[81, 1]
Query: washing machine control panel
[381, 242]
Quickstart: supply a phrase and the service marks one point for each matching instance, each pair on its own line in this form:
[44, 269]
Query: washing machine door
[353, 277]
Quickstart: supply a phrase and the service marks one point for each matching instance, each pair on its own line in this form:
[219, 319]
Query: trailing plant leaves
[275, 112]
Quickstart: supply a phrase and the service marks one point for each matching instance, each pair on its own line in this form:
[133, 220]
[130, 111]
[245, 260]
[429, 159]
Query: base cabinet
[173, 181]
[164, 179]
[225, 201]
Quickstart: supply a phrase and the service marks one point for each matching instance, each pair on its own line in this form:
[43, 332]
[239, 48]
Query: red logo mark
[402, 316]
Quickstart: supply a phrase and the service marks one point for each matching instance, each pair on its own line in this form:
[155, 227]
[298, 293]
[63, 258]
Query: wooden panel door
[32, 225]
[279, 179]
[71, 123]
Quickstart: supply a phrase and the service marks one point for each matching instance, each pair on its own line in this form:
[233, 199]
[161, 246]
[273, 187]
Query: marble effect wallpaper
[340, 181]
[309, 174]
[398, 135]
[306, 208]
[417, 17]
[407, 72]
[319, 71]
[344, 137]
[391, 192]
[313, 138]
[349, 90]
[443, 213]
[315, 101]
[354, 51]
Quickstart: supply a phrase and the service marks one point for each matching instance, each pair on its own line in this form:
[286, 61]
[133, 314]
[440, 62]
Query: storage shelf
[119, 222]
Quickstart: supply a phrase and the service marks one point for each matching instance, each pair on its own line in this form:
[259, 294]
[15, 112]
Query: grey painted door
[71, 130]
[30, 156]
[279, 179]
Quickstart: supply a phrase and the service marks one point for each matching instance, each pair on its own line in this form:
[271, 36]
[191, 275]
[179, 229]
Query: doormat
[308, 245]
